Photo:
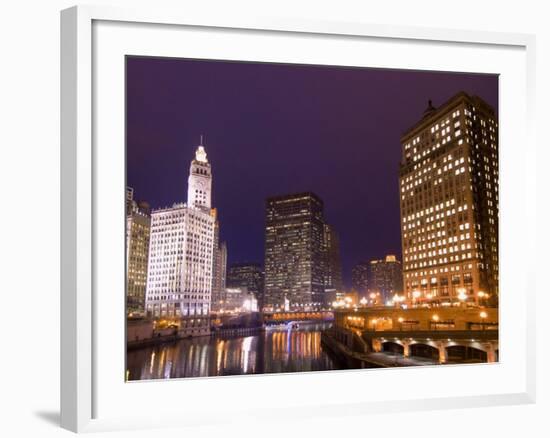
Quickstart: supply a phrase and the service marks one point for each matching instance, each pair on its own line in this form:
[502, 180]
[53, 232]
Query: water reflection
[275, 351]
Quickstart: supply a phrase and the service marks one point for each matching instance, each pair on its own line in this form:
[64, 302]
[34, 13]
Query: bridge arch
[393, 347]
[426, 350]
[466, 353]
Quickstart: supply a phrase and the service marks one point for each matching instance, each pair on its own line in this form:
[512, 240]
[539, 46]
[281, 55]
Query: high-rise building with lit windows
[247, 275]
[359, 278]
[333, 265]
[181, 250]
[219, 268]
[138, 228]
[385, 278]
[294, 261]
[449, 204]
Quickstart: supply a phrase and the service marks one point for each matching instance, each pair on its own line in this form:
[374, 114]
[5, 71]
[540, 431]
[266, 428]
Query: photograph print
[291, 218]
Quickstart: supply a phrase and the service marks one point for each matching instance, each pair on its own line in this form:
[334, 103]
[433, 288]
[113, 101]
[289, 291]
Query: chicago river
[275, 350]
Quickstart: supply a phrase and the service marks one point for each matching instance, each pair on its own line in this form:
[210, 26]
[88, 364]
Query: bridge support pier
[406, 349]
[442, 352]
[490, 350]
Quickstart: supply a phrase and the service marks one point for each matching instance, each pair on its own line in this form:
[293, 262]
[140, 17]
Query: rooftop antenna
[202, 144]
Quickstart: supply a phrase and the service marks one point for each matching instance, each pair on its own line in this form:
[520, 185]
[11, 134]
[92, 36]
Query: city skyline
[333, 198]
[280, 132]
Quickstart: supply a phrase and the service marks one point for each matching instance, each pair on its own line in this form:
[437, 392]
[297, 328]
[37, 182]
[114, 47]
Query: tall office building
[219, 267]
[138, 228]
[333, 265]
[129, 200]
[449, 203]
[249, 276]
[181, 250]
[294, 276]
[359, 278]
[385, 278]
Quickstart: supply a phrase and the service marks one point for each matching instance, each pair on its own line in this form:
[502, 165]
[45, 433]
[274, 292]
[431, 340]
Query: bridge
[290, 316]
[435, 335]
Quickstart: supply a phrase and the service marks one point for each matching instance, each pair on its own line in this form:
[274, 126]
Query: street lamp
[483, 315]
[398, 299]
[363, 301]
[481, 295]
[372, 296]
[374, 321]
[462, 295]
[400, 319]
[435, 319]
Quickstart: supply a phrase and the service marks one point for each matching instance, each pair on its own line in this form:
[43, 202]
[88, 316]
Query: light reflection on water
[275, 351]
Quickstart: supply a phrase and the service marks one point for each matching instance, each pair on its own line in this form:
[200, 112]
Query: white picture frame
[81, 336]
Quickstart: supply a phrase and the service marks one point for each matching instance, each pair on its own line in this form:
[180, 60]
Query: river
[272, 351]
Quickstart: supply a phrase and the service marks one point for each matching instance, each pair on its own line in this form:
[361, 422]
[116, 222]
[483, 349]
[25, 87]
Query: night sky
[273, 129]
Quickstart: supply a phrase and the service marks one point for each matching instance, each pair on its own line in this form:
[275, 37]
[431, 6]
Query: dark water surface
[272, 351]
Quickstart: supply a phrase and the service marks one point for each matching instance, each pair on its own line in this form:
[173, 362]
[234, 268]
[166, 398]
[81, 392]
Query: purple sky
[273, 129]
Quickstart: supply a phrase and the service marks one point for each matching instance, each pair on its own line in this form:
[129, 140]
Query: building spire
[200, 153]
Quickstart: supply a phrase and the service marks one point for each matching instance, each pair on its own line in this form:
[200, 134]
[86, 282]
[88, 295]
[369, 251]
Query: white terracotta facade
[181, 249]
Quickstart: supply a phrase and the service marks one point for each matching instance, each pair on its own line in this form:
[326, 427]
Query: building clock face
[201, 184]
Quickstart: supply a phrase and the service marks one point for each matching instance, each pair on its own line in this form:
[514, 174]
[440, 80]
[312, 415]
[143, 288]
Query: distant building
[181, 250]
[332, 263]
[219, 267]
[294, 262]
[138, 228]
[449, 203]
[239, 299]
[249, 275]
[129, 200]
[359, 278]
[386, 278]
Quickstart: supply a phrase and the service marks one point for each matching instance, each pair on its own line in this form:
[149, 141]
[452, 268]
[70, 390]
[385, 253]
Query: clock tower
[199, 191]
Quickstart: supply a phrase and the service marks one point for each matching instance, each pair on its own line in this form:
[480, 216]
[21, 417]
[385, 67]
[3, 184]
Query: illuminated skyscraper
[333, 264]
[449, 203]
[359, 278]
[249, 276]
[385, 278]
[129, 199]
[219, 268]
[138, 228]
[181, 250]
[294, 275]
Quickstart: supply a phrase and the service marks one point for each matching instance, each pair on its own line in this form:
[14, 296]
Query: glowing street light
[483, 315]
[398, 299]
[363, 301]
[435, 319]
[481, 296]
[462, 295]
